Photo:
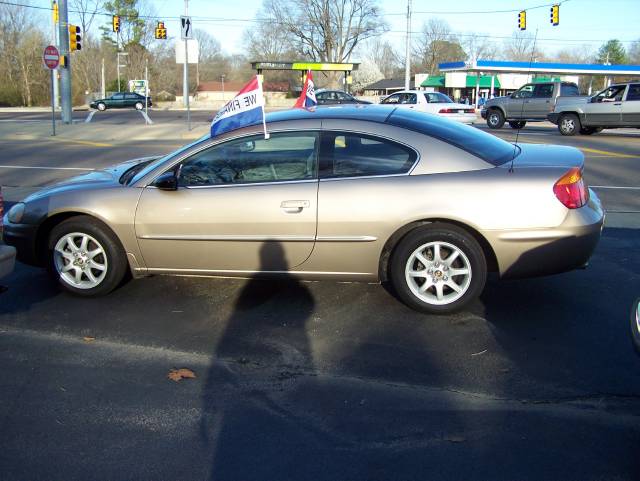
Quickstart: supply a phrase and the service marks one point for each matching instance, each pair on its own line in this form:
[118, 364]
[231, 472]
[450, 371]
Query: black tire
[569, 124]
[517, 124]
[586, 131]
[635, 325]
[445, 235]
[113, 259]
[495, 119]
[139, 105]
[102, 107]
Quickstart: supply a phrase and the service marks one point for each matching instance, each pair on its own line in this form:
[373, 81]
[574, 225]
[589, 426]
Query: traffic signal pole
[65, 72]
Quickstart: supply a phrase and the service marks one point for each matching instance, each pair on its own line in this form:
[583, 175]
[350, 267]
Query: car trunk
[533, 155]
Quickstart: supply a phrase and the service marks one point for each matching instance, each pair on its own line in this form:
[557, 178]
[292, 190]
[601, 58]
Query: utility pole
[185, 72]
[65, 72]
[54, 39]
[103, 88]
[407, 61]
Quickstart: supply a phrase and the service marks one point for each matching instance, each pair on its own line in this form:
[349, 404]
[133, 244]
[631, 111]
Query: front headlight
[15, 213]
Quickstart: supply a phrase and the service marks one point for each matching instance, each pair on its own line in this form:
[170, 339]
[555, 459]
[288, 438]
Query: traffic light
[522, 20]
[115, 23]
[74, 38]
[555, 15]
[161, 32]
[56, 12]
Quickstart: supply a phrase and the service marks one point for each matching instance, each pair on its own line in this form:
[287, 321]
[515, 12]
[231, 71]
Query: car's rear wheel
[569, 124]
[517, 124]
[438, 268]
[102, 107]
[495, 119]
[139, 105]
[85, 257]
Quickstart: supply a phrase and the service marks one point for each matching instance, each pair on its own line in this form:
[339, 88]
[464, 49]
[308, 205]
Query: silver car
[361, 193]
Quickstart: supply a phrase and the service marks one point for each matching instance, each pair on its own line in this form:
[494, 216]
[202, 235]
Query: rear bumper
[23, 238]
[462, 118]
[553, 117]
[541, 252]
[7, 260]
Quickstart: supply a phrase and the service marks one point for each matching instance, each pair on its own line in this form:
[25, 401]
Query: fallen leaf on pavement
[455, 439]
[89, 338]
[179, 374]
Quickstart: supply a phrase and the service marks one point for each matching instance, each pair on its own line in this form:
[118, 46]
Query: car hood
[93, 179]
[540, 155]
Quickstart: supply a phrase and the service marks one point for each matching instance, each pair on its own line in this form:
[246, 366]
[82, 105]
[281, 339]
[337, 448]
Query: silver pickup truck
[531, 102]
[616, 106]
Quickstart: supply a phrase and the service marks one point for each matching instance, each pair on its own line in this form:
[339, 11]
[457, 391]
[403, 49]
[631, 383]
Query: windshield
[149, 167]
[488, 147]
[437, 98]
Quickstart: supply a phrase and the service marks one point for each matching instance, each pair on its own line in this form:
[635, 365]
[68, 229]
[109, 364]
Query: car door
[541, 103]
[130, 100]
[515, 105]
[357, 174]
[605, 108]
[244, 205]
[116, 101]
[631, 107]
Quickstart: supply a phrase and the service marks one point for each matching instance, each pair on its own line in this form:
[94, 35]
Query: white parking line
[43, 168]
[146, 117]
[613, 187]
[89, 117]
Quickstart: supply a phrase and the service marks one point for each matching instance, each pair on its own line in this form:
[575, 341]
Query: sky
[582, 22]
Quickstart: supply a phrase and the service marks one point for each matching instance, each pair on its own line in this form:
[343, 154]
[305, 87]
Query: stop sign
[51, 57]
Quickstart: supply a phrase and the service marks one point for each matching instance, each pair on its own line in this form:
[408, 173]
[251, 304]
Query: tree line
[315, 30]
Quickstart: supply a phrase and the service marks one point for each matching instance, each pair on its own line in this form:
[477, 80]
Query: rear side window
[568, 90]
[359, 155]
[488, 147]
[634, 92]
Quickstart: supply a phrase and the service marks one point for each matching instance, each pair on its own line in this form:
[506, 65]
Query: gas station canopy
[489, 66]
[336, 67]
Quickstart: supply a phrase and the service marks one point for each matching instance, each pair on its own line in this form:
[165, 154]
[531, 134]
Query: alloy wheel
[438, 273]
[80, 260]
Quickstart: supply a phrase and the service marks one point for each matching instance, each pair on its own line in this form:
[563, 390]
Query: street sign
[186, 30]
[51, 57]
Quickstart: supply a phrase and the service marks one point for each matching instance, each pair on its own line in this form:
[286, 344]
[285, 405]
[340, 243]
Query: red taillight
[570, 189]
[456, 111]
[447, 111]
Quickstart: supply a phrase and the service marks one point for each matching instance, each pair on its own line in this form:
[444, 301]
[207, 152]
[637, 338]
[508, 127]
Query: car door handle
[294, 206]
[618, 103]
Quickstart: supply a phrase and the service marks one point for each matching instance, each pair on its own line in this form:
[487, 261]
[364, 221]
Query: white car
[433, 103]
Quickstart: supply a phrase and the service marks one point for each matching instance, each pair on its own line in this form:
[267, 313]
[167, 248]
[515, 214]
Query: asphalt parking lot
[319, 380]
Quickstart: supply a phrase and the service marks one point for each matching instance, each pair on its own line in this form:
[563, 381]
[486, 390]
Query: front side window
[612, 94]
[357, 155]
[543, 91]
[409, 99]
[634, 92]
[525, 92]
[283, 157]
[392, 99]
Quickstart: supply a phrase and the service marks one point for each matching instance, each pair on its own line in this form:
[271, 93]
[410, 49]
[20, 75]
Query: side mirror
[167, 181]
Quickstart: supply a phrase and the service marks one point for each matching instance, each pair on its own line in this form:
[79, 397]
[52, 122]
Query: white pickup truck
[615, 107]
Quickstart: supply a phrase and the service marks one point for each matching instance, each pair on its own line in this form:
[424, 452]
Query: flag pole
[264, 121]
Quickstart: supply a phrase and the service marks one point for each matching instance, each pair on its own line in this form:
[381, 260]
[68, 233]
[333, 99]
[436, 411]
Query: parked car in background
[121, 100]
[433, 103]
[615, 107]
[7, 253]
[530, 103]
[358, 193]
[335, 97]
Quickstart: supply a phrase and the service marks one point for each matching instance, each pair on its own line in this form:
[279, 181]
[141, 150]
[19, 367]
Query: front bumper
[7, 260]
[553, 117]
[23, 238]
[541, 252]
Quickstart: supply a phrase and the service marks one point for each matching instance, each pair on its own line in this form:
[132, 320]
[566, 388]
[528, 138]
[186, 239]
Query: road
[323, 381]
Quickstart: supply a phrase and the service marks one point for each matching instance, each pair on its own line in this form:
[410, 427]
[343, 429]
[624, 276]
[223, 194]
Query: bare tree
[436, 44]
[326, 30]
[634, 52]
[85, 11]
[268, 41]
[381, 53]
[478, 47]
[521, 47]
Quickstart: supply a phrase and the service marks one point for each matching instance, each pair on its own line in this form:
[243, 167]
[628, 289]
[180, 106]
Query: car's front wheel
[139, 105]
[438, 268]
[85, 257]
[569, 124]
[102, 107]
[495, 119]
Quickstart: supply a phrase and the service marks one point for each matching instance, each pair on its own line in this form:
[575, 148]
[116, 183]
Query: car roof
[331, 90]
[367, 112]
